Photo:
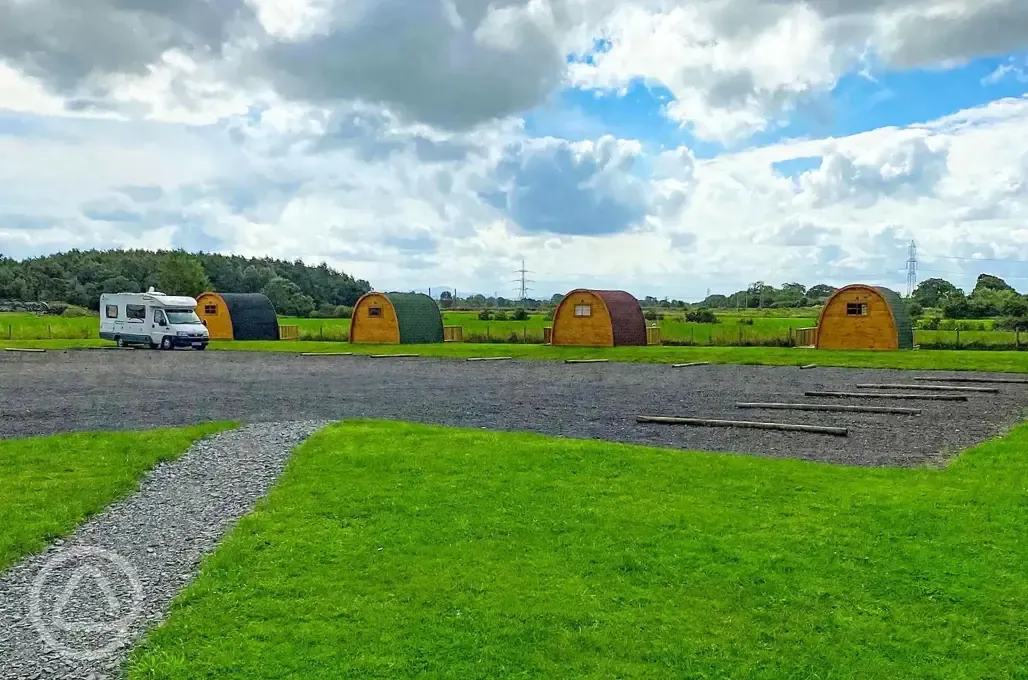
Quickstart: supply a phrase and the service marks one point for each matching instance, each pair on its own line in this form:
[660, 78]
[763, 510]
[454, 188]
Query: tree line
[991, 297]
[764, 296]
[934, 298]
[80, 277]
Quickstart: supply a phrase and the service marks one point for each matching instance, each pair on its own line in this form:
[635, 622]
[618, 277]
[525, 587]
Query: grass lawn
[50, 485]
[957, 360]
[951, 360]
[391, 550]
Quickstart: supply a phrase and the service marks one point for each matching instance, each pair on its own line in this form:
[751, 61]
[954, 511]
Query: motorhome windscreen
[177, 316]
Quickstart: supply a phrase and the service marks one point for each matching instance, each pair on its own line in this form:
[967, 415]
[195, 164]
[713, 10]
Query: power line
[947, 271]
[974, 259]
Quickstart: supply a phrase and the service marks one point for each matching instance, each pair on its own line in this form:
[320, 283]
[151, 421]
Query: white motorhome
[152, 319]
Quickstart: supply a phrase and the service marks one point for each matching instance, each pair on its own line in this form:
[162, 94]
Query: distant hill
[80, 277]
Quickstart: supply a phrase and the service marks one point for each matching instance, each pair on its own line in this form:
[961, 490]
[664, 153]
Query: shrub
[73, 311]
[343, 312]
[1012, 323]
[324, 312]
[702, 316]
[746, 321]
[519, 314]
[931, 323]
[485, 315]
[57, 308]
[500, 315]
[1015, 307]
[650, 315]
[549, 315]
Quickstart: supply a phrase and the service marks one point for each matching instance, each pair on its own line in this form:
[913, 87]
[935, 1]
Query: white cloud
[725, 85]
[384, 138]
[571, 188]
[1010, 70]
[668, 224]
[910, 168]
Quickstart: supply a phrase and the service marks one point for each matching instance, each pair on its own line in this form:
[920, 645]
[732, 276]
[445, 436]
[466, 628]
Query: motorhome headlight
[182, 334]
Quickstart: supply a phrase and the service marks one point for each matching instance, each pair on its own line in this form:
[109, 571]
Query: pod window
[856, 309]
[111, 311]
[375, 312]
[210, 309]
[583, 310]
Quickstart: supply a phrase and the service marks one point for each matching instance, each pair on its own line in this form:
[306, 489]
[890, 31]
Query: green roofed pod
[396, 318]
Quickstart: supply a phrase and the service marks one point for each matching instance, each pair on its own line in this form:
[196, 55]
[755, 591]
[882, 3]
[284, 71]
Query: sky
[665, 147]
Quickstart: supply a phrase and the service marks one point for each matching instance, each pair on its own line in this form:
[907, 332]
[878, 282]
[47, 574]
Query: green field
[14, 326]
[23, 326]
[50, 485]
[399, 551]
[731, 331]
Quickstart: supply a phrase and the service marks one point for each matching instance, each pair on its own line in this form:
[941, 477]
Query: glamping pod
[396, 319]
[598, 318]
[238, 316]
[864, 317]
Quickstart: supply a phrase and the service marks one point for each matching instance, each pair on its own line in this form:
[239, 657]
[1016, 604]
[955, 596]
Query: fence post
[740, 336]
[10, 331]
[1017, 340]
[49, 332]
[321, 332]
[958, 337]
[692, 335]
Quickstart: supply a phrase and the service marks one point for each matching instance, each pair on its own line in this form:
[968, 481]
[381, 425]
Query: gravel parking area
[74, 610]
[105, 390]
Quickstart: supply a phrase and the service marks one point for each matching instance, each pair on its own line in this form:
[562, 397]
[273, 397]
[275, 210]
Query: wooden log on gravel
[393, 356]
[893, 395]
[898, 410]
[327, 354]
[713, 422]
[930, 388]
[490, 358]
[694, 363]
[22, 349]
[586, 361]
[1001, 381]
[803, 368]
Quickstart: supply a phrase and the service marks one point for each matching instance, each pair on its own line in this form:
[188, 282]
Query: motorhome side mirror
[204, 322]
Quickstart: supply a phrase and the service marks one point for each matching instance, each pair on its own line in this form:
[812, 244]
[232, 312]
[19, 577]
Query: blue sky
[859, 102]
[660, 147]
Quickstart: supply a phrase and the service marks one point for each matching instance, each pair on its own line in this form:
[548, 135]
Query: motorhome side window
[112, 311]
[135, 312]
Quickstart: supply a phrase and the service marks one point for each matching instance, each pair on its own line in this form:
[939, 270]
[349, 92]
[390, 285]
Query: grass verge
[50, 485]
[1013, 362]
[950, 360]
[397, 551]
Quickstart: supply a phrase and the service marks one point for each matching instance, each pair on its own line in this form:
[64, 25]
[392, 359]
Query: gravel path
[61, 391]
[74, 610]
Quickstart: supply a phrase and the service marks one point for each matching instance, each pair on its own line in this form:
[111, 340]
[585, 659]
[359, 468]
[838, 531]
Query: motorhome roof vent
[154, 292]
